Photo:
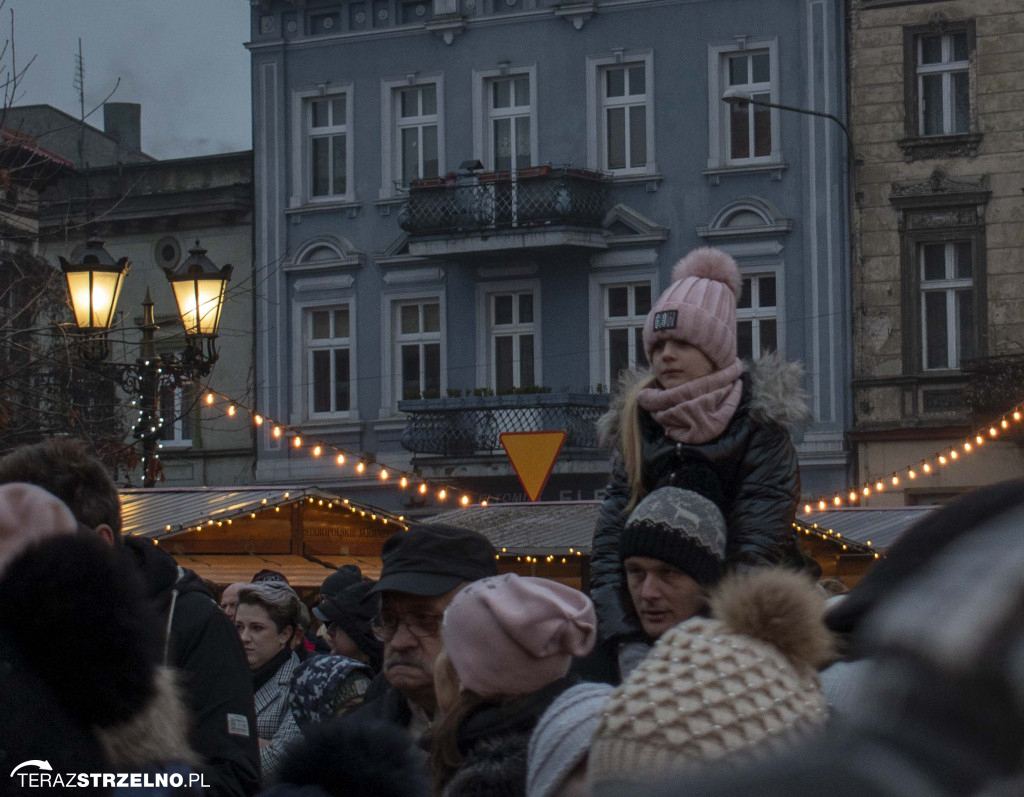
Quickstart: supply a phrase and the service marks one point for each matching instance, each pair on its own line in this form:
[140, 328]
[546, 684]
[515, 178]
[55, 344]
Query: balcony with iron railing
[472, 425]
[538, 207]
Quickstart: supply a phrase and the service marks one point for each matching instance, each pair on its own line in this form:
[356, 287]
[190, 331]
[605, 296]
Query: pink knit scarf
[697, 411]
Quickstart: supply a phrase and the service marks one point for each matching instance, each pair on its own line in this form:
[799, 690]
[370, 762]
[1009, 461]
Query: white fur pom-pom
[712, 264]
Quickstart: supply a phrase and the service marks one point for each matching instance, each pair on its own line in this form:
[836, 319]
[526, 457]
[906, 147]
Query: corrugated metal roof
[544, 527]
[877, 528]
[160, 512]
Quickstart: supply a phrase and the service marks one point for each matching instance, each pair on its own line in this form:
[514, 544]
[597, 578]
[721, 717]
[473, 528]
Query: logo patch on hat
[666, 319]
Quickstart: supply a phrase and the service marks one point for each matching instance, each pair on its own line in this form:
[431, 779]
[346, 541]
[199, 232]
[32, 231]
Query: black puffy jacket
[755, 482]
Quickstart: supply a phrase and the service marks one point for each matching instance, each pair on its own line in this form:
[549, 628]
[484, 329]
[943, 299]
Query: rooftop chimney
[122, 121]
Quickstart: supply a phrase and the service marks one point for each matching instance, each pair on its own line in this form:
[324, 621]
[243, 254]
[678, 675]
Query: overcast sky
[183, 60]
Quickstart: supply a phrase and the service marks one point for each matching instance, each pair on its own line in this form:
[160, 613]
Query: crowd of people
[706, 660]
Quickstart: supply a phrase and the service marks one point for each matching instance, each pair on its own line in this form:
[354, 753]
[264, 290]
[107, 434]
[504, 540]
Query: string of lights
[927, 467]
[362, 465]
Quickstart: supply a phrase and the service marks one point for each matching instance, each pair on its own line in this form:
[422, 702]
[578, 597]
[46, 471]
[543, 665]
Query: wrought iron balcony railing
[472, 425]
[538, 196]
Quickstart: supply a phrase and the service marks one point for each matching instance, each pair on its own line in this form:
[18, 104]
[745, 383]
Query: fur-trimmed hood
[775, 395]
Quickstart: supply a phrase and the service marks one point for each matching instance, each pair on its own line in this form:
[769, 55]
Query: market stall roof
[875, 528]
[160, 512]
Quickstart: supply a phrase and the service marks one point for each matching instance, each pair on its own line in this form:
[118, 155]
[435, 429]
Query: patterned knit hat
[324, 684]
[734, 687]
[680, 527]
[699, 307]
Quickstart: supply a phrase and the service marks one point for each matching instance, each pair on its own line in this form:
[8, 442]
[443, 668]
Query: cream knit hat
[736, 686]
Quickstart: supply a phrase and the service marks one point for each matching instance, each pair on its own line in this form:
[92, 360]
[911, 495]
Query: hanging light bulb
[967, 447]
[257, 419]
[423, 488]
[209, 398]
[231, 410]
[317, 451]
[403, 482]
[361, 467]
[866, 490]
[837, 500]
[807, 509]
[912, 474]
[879, 486]
[464, 500]
[277, 431]
[484, 502]
[979, 439]
[953, 454]
[942, 459]
[895, 480]
[992, 431]
[853, 496]
[1004, 423]
[926, 468]
[442, 494]
[383, 474]
[821, 503]
[340, 459]
[1016, 415]
[297, 441]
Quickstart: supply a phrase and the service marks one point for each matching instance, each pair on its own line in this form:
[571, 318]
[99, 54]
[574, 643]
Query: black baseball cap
[432, 559]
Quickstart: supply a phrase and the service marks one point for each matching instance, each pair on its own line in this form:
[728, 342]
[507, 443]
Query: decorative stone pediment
[623, 225]
[576, 14]
[940, 189]
[746, 217]
[325, 251]
[447, 27]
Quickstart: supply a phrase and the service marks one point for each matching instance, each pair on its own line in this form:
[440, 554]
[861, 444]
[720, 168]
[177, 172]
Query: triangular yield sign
[533, 455]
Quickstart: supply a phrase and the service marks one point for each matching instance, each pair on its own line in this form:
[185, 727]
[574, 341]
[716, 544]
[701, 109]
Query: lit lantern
[199, 291]
[94, 283]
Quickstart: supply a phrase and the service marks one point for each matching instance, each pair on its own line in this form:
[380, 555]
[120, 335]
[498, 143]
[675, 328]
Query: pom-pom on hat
[512, 635]
[699, 307]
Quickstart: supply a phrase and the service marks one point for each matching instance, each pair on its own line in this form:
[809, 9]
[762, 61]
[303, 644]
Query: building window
[757, 324]
[943, 84]
[416, 122]
[177, 407]
[329, 347]
[749, 126]
[418, 349]
[625, 309]
[947, 304]
[513, 340]
[620, 97]
[327, 126]
[510, 123]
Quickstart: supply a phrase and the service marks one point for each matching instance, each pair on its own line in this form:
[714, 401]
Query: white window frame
[755, 313]
[599, 284]
[302, 163]
[401, 340]
[629, 322]
[718, 115]
[173, 420]
[391, 375]
[391, 141]
[946, 68]
[483, 145]
[305, 363]
[597, 153]
[950, 285]
[486, 371]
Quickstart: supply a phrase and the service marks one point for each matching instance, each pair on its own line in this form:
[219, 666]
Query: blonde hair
[631, 440]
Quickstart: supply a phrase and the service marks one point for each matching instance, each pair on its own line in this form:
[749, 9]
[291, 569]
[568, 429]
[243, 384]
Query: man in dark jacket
[201, 642]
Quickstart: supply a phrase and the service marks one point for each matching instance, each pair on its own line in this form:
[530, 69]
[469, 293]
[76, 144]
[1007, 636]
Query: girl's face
[675, 363]
[260, 637]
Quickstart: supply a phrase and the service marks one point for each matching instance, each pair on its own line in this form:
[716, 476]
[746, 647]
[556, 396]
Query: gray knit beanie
[680, 527]
[562, 737]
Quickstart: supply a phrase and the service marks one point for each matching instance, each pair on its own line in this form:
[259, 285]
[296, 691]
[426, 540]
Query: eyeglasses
[420, 624]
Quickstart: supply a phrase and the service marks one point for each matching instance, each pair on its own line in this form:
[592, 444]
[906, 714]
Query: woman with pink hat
[702, 420]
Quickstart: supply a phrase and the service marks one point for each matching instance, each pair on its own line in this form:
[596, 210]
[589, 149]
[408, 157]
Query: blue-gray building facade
[459, 198]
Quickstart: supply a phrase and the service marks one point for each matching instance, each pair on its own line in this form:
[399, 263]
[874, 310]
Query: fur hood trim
[779, 606]
[158, 734]
[775, 395]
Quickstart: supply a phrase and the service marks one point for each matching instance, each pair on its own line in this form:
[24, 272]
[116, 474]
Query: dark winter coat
[750, 471]
[383, 703]
[205, 646]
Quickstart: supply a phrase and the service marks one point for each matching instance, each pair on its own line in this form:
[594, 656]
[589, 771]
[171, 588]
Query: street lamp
[94, 284]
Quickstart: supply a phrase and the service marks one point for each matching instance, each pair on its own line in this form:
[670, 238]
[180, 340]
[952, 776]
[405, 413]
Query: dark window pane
[522, 86]
[503, 309]
[338, 111]
[526, 377]
[766, 292]
[762, 128]
[761, 67]
[523, 153]
[502, 94]
[410, 372]
[961, 102]
[432, 369]
[965, 322]
[432, 317]
[185, 412]
[931, 104]
[321, 166]
[341, 381]
[618, 302]
[341, 323]
[638, 136]
[321, 381]
[526, 308]
[769, 335]
[642, 297]
[410, 323]
[744, 339]
[321, 325]
[429, 100]
[931, 49]
[502, 144]
[167, 411]
[738, 70]
[638, 344]
[429, 151]
[503, 363]
[637, 80]
[615, 83]
[410, 102]
[618, 352]
[318, 113]
[745, 298]
[410, 153]
[935, 329]
[959, 46]
[340, 165]
[963, 259]
[739, 134]
[934, 256]
[616, 138]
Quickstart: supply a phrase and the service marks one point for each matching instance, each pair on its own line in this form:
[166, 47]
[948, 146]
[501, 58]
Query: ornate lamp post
[94, 284]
